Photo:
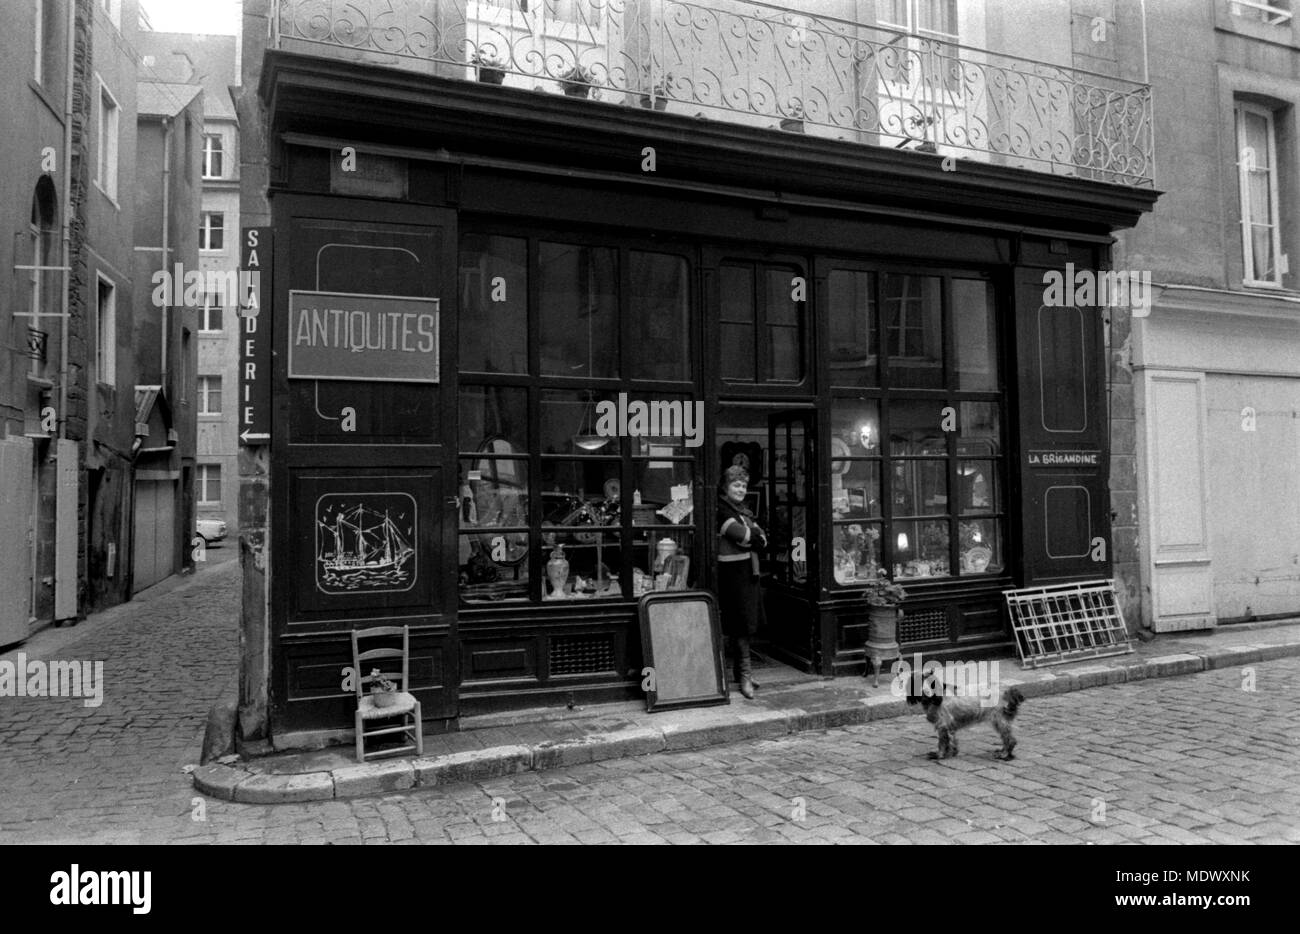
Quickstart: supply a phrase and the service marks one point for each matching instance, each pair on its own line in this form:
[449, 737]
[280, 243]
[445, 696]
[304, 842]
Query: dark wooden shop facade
[864, 328]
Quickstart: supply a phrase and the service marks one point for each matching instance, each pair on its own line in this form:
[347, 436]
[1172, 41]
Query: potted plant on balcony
[658, 96]
[383, 693]
[577, 81]
[491, 70]
[794, 122]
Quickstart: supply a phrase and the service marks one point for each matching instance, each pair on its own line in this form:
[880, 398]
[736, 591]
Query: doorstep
[788, 702]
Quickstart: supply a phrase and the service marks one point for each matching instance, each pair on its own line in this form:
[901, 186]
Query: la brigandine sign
[376, 338]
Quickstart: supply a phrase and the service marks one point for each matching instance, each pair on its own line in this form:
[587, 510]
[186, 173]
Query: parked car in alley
[212, 530]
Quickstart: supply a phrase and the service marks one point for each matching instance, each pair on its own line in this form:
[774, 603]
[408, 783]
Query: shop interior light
[902, 541]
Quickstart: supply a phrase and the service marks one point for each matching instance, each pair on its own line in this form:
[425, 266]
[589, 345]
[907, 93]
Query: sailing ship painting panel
[365, 543]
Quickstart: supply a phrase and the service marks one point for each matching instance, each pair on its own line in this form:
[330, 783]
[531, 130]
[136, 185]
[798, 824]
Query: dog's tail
[1011, 702]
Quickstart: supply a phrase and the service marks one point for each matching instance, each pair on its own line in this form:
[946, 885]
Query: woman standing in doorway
[740, 539]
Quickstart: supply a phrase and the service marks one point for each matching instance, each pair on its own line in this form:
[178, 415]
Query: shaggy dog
[950, 713]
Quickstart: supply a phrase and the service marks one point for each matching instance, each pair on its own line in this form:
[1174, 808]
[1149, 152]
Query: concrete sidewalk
[788, 702]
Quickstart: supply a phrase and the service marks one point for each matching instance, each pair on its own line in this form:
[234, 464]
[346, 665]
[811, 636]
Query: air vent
[926, 626]
[582, 655]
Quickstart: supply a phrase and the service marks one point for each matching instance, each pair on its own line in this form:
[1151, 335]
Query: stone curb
[710, 728]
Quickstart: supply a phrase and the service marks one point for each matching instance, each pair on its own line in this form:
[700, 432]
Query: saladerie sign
[376, 338]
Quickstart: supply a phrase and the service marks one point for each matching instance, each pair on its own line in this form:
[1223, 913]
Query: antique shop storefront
[512, 358]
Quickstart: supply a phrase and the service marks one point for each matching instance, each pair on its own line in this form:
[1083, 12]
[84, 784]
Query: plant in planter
[794, 122]
[883, 597]
[658, 96]
[577, 81]
[383, 693]
[491, 70]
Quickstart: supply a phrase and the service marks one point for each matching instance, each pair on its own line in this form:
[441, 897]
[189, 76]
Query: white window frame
[205, 392]
[40, 38]
[106, 164]
[211, 300]
[106, 332]
[1281, 14]
[209, 151]
[205, 232]
[926, 85]
[205, 478]
[1243, 193]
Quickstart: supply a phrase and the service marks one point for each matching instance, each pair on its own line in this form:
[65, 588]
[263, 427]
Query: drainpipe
[166, 253]
[66, 250]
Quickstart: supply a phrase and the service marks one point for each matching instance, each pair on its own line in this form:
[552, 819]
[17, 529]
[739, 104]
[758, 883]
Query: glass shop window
[851, 299]
[493, 497]
[761, 323]
[658, 317]
[579, 310]
[917, 465]
[493, 304]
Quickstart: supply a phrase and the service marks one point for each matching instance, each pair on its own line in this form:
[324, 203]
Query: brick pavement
[113, 773]
[1192, 759]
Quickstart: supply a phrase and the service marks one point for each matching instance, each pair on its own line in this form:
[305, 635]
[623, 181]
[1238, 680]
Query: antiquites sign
[376, 338]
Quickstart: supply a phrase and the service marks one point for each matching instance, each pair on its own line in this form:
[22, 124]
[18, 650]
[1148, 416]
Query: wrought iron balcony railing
[758, 64]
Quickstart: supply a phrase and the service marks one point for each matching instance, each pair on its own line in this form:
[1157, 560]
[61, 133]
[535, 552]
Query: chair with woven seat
[406, 706]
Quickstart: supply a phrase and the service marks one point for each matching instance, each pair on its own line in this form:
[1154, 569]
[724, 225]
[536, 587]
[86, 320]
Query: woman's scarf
[729, 510]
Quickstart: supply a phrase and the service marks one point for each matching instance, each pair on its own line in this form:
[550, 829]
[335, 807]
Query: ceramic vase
[557, 572]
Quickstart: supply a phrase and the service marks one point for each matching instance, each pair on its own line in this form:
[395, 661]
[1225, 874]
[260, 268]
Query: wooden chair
[406, 707]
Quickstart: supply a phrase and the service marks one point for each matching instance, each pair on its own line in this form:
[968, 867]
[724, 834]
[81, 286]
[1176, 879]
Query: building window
[113, 10]
[210, 313]
[546, 469]
[106, 331]
[106, 164]
[189, 151]
[47, 44]
[917, 447]
[209, 484]
[1274, 13]
[1257, 182]
[212, 156]
[212, 234]
[762, 323]
[209, 395]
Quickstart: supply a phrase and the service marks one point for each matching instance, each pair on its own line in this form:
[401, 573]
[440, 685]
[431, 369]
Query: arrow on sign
[247, 436]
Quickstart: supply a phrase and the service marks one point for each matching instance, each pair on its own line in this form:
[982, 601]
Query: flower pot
[488, 75]
[791, 125]
[383, 698]
[658, 103]
[882, 622]
[576, 90]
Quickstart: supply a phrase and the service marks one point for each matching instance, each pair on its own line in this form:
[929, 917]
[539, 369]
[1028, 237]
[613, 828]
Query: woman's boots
[744, 669]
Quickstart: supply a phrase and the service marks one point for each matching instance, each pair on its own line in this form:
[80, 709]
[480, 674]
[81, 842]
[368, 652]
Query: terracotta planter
[658, 103]
[383, 698]
[488, 75]
[791, 125]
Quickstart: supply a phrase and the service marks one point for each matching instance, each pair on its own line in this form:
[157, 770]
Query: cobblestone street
[1193, 759]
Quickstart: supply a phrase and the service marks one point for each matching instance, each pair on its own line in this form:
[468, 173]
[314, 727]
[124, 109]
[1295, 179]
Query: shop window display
[923, 497]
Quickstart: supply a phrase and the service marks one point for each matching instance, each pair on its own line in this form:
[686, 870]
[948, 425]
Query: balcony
[760, 65]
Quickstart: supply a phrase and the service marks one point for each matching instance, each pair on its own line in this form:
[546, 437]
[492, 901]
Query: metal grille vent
[926, 626]
[581, 655]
